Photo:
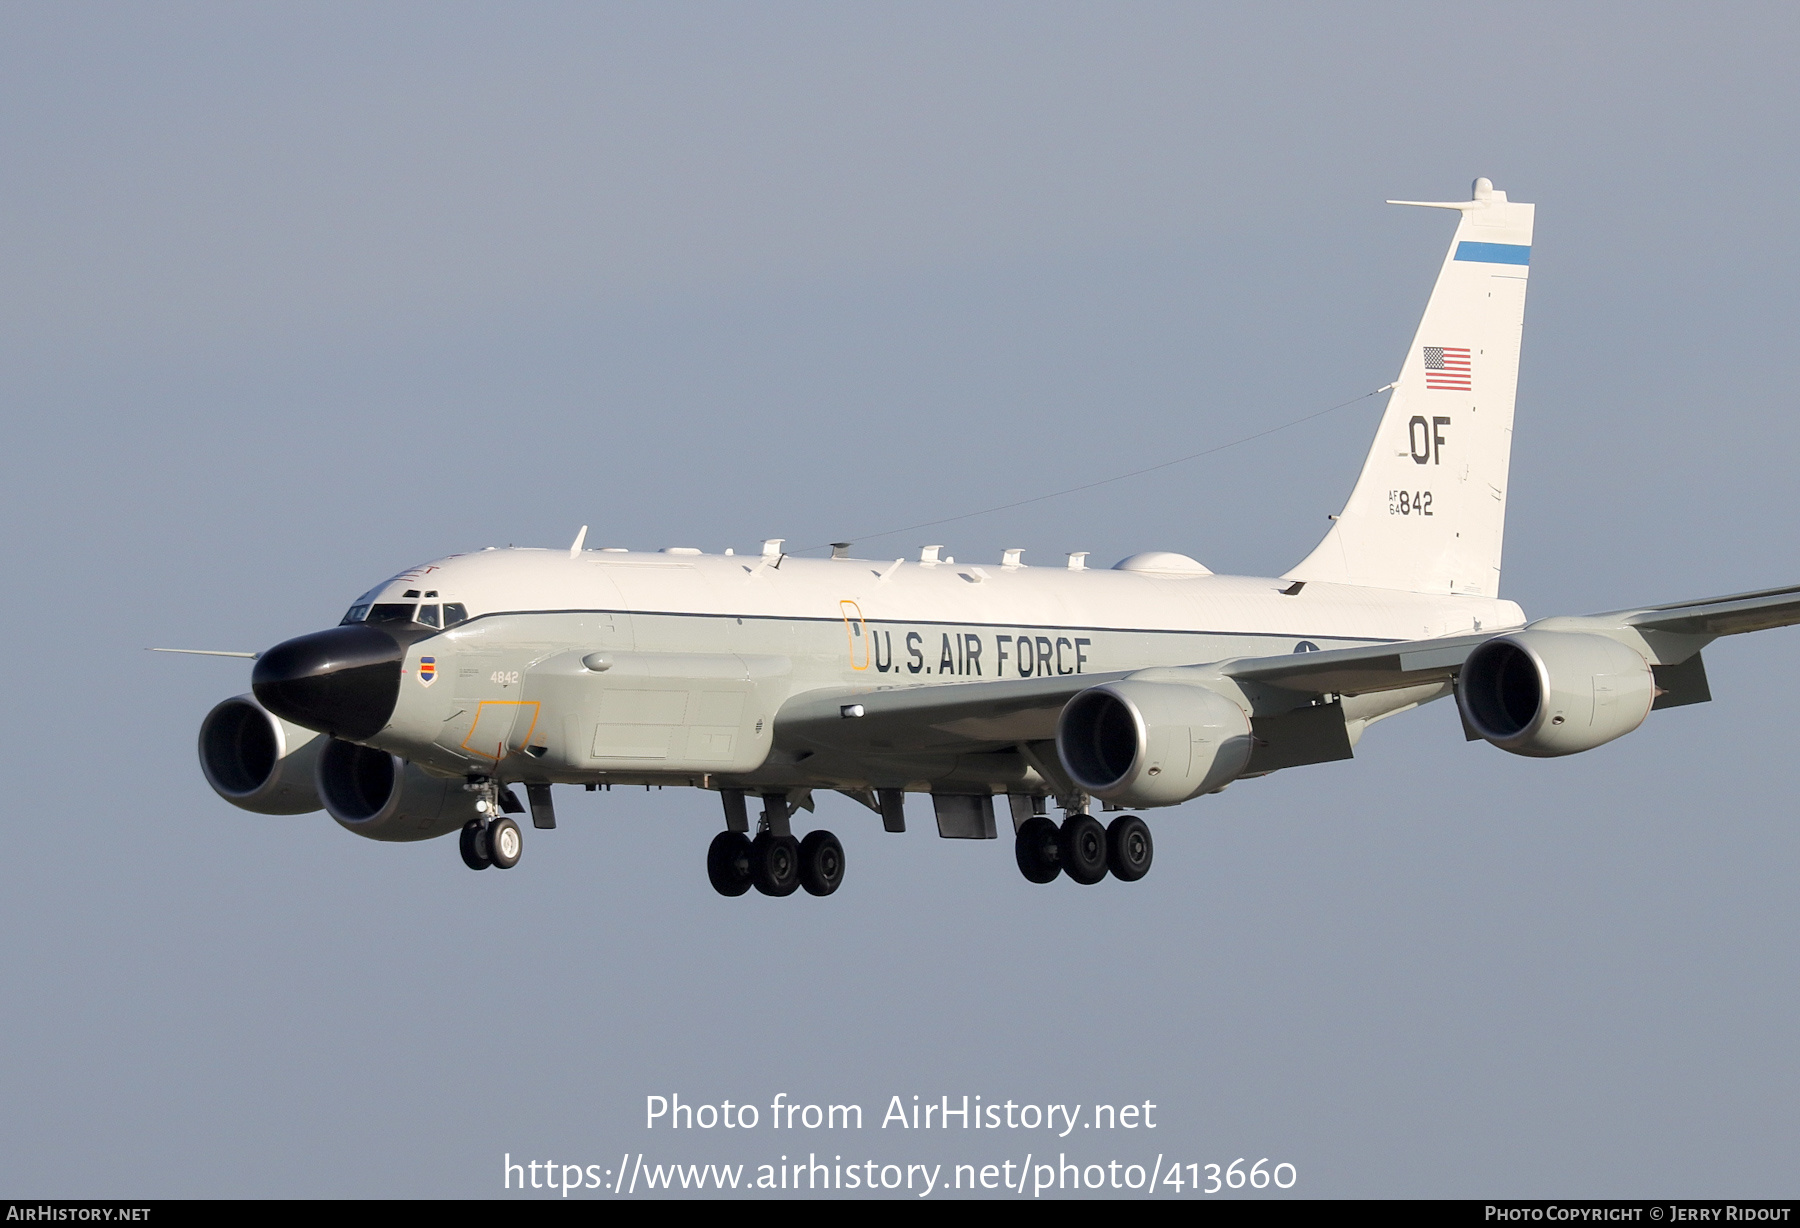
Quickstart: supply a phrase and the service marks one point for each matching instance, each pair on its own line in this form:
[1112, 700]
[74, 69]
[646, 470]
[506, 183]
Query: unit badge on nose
[427, 670]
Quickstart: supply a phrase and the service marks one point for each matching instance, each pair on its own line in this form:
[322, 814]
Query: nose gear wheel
[474, 846]
[504, 843]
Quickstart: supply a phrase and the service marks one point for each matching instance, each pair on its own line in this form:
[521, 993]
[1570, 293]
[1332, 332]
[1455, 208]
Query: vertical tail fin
[1429, 511]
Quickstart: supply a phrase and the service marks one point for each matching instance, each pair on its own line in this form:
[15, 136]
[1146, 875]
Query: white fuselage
[701, 650]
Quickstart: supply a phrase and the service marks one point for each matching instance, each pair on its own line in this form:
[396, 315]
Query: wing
[1715, 616]
[1358, 671]
[982, 716]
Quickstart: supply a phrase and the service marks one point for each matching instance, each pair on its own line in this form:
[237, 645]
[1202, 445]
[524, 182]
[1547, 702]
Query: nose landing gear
[496, 844]
[492, 839]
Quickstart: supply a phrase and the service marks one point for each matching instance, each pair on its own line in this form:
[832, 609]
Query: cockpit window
[391, 612]
[427, 614]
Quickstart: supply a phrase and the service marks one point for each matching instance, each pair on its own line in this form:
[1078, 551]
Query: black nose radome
[343, 681]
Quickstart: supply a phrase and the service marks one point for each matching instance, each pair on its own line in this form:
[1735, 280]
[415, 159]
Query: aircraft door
[857, 633]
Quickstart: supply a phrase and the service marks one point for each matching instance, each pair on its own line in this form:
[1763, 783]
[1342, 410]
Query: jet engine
[1152, 743]
[1549, 693]
[383, 797]
[255, 760]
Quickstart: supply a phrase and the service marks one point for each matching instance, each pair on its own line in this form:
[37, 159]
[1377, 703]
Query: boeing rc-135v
[1151, 683]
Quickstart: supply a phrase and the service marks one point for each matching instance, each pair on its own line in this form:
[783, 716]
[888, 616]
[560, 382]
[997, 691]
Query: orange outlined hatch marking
[495, 721]
[857, 632]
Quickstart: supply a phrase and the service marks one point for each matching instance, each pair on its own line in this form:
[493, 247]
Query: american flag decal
[1447, 367]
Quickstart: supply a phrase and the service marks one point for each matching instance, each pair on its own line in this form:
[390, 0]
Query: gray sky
[294, 297]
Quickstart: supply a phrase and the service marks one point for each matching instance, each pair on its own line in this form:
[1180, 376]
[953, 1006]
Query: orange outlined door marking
[493, 727]
[857, 632]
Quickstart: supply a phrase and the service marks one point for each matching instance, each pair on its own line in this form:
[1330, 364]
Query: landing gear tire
[1129, 848]
[1038, 850]
[728, 863]
[504, 843]
[821, 863]
[1083, 848]
[474, 846]
[775, 864]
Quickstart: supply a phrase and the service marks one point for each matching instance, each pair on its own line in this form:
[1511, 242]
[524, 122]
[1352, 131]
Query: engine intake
[257, 761]
[1550, 693]
[1152, 743]
[383, 797]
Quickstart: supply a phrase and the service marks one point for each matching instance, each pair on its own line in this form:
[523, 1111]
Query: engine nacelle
[255, 760]
[383, 797]
[1152, 743]
[1549, 693]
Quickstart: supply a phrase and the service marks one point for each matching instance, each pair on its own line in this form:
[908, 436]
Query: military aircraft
[1142, 686]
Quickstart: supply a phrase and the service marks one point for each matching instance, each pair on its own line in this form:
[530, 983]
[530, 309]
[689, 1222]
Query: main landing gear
[774, 862]
[1083, 849]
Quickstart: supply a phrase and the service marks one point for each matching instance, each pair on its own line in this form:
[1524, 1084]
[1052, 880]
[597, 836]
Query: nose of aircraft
[343, 681]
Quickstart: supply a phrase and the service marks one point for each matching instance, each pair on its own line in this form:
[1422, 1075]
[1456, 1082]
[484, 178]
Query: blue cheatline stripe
[1494, 253]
